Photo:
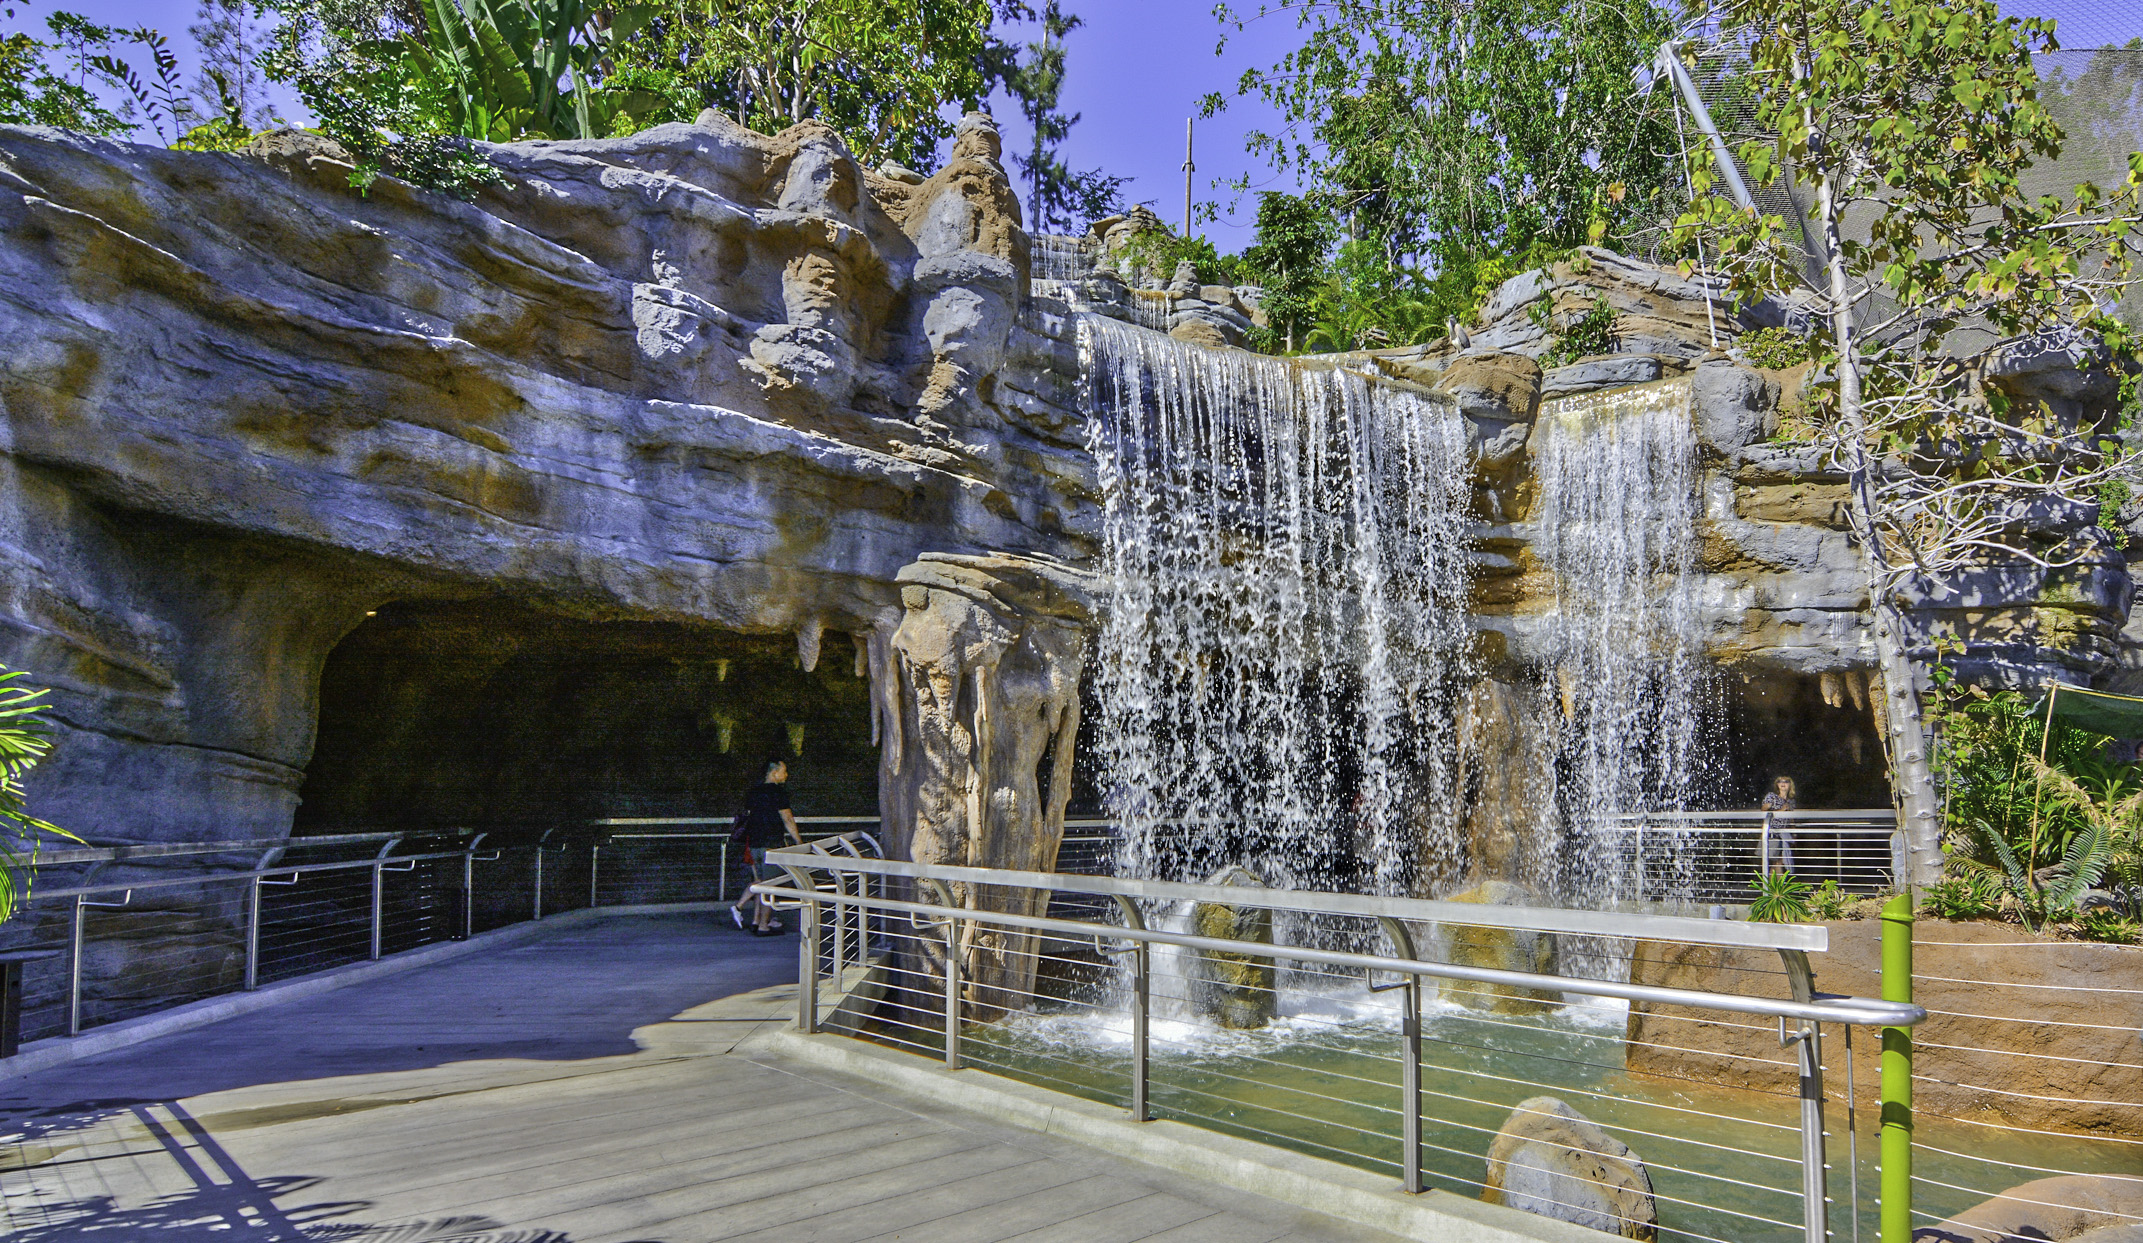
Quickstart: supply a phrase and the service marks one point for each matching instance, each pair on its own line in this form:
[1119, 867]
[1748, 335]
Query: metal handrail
[1683, 928]
[158, 850]
[1823, 1008]
[1807, 1009]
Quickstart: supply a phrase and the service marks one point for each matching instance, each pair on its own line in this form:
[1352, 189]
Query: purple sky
[1135, 71]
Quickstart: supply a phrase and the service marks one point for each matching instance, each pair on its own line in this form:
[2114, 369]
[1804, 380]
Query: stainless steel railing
[178, 923]
[930, 936]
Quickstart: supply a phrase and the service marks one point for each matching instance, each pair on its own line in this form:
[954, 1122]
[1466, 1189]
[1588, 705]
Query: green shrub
[1972, 896]
[1780, 899]
[1774, 348]
[2111, 927]
[1829, 901]
[23, 742]
[1581, 336]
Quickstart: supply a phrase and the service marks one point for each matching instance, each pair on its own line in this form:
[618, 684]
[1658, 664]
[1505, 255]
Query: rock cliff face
[693, 376]
[707, 378]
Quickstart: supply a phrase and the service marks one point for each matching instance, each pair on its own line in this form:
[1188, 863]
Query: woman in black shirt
[768, 823]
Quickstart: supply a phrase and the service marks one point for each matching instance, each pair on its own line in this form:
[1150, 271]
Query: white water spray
[1287, 556]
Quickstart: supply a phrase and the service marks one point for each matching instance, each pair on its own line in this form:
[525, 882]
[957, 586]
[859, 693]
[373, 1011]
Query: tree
[1912, 122]
[881, 74]
[1059, 200]
[34, 91]
[1294, 236]
[232, 34]
[1468, 130]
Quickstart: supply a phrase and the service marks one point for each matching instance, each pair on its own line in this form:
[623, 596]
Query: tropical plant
[1576, 336]
[1969, 896]
[1911, 123]
[1781, 898]
[2049, 870]
[1829, 901]
[1294, 236]
[23, 742]
[2108, 926]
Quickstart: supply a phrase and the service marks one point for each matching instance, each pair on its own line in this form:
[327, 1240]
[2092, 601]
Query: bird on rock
[1457, 332]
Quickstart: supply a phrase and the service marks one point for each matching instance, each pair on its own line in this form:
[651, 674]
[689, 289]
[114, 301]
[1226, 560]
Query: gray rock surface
[2073, 1206]
[694, 375]
[1550, 1160]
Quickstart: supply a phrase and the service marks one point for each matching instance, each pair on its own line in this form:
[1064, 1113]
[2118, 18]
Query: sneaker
[776, 928]
[736, 917]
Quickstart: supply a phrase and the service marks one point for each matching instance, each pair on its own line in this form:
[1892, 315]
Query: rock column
[977, 684]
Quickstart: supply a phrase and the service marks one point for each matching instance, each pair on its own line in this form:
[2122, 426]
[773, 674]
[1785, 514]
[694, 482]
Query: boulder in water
[1551, 1160]
[1237, 989]
[1504, 949]
[2072, 1206]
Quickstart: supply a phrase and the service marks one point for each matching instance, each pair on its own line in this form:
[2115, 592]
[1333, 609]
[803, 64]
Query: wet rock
[1550, 1160]
[2074, 1206]
[1503, 949]
[1237, 990]
[1733, 407]
[1592, 374]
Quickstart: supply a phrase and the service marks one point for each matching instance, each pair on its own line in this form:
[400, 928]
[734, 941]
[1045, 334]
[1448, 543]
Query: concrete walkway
[580, 1086]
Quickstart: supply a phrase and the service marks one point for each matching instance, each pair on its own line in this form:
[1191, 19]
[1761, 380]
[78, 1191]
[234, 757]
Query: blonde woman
[1781, 798]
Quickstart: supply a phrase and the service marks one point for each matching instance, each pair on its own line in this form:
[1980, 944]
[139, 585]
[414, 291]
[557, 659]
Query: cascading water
[1286, 548]
[1615, 523]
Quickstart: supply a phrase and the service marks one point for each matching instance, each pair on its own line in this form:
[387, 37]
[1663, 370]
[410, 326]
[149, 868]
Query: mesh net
[2096, 93]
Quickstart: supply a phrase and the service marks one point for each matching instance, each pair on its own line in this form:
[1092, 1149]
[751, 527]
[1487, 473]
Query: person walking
[768, 824]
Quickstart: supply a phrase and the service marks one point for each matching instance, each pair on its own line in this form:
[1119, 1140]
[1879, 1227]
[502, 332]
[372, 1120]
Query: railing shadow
[220, 1201]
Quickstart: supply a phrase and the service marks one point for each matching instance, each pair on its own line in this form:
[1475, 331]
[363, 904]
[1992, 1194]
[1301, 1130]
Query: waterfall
[1615, 523]
[1286, 549]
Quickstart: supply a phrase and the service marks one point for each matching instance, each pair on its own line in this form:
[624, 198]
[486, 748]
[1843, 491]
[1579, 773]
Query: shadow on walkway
[569, 995]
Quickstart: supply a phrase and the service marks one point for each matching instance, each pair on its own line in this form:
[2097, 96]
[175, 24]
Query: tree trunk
[1912, 778]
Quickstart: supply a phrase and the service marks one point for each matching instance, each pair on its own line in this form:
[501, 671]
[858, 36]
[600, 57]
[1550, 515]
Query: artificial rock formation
[1551, 1160]
[977, 714]
[695, 376]
[2063, 1061]
[1238, 990]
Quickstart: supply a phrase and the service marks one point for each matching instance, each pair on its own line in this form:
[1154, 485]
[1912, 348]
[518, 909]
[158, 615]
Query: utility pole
[1188, 169]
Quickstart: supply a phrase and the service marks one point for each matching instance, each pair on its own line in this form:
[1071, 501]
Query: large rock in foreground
[1550, 1160]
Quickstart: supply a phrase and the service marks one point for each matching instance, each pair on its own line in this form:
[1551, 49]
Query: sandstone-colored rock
[1504, 949]
[693, 375]
[1200, 330]
[1491, 385]
[2066, 1207]
[1551, 1160]
[1237, 990]
[2043, 1058]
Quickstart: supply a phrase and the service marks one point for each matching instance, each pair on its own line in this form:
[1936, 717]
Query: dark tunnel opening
[491, 715]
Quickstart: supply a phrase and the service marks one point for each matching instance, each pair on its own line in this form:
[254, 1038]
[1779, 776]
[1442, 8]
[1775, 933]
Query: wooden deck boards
[578, 1087]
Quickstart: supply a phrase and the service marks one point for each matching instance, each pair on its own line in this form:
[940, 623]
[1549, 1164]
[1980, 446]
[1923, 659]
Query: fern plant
[23, 742]
[2046, 883]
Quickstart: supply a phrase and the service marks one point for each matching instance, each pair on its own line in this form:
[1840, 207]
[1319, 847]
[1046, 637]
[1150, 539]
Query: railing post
[1807, 1041]
[537, 906]
[252, 933]
[721, 883]
[1815, 1211]
[468, 891]
[595, 850]
[1402, 945]
[74, 968]
[952, 993]
[807, 970]
[840, 927]
[1141, 1011]
[1410, 1087]
[379, 894]
[1896, 1146]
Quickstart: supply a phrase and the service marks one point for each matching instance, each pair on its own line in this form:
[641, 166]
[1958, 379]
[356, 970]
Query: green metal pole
[1897, 1075]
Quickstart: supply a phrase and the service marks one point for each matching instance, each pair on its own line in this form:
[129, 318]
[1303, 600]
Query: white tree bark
[1912, 778]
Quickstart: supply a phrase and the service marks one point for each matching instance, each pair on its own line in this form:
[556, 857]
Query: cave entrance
[491, 715]
[1820, 730]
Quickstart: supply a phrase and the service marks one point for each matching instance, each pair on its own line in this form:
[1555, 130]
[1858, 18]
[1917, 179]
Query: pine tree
[1059, 200]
